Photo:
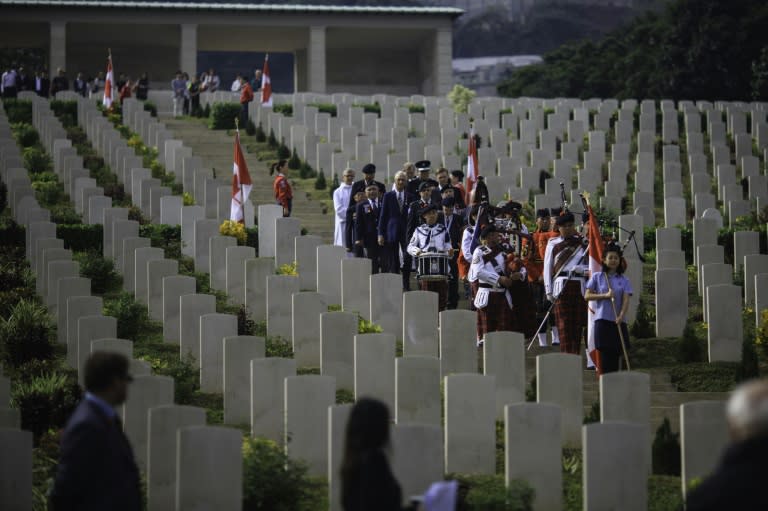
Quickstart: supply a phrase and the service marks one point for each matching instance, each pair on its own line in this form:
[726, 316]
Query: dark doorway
[228, 64]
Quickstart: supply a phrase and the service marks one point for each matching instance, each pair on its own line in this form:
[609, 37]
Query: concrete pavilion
[363, 50]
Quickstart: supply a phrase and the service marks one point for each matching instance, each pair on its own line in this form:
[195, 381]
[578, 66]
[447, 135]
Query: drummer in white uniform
[431, 246]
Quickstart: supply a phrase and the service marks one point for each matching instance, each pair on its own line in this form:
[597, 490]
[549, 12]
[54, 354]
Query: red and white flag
[109, 85]
[266, 84]
[241, 184]
[472, 170]
[595, 251]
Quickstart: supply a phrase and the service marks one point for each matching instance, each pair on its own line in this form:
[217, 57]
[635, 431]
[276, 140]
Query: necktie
[400, 199]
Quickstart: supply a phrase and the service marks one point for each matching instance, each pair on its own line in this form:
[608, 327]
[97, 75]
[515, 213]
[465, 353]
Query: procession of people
[456, 243]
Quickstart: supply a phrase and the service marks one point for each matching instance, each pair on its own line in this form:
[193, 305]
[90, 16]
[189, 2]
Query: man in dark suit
[350, 231]
[96, 469]
[454, 225]
[369, 175]
[367, 226]
[392, 229]
[423, 168]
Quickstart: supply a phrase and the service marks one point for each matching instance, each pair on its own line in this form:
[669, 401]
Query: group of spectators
[186, 90]
[18, 80]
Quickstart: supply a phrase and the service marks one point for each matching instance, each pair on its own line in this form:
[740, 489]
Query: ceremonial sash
[563, 251]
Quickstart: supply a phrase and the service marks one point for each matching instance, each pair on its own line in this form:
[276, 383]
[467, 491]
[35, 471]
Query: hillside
[693, 49]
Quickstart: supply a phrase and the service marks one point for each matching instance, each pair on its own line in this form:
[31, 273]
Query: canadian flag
[595, 265]
[266, 84]
[109, 85]
[241, 184]
[472, 170]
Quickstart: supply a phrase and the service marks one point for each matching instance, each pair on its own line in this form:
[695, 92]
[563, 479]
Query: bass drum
[433, 266]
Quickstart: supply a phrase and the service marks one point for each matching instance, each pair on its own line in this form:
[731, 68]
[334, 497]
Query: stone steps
[215, 150]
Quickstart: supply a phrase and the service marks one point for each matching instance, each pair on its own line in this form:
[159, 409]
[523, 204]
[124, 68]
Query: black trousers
[390, 260]
[373, 252]
[453, 283]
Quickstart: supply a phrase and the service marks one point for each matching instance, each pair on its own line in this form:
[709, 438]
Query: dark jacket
[393, 220]
[96, 469]
[738, 482]
[437, 196]
[371, 486]
[457, 225]
[360, 186]
[366, 223]
[414, 218]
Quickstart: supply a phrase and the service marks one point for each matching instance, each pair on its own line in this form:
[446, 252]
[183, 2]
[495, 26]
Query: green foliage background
[693, 49]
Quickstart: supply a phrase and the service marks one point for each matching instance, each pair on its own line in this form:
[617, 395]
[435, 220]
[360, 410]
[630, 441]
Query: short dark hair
[102, 368]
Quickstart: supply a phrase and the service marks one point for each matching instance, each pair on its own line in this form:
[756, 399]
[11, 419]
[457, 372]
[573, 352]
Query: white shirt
[552, 285]
[426, 236]
[486, 272]
[235, 86]
[466, 243]
[341, 196]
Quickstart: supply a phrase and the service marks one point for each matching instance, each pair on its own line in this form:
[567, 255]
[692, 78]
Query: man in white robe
[341, 198]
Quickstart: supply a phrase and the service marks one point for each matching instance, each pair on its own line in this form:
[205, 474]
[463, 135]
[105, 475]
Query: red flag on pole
[595, 251]
[472, 170]
[266, 84]
[109, 85]
[241, 183]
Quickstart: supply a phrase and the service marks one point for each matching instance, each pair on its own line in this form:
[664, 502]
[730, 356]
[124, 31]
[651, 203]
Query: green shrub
[27, 334]
[415, 109]
[260, 135]
[18, 110]
[278, 347]
[186, 378]
[46, 401]
[223, 116]
[689, 348]
[593, 415]
[100, 270]
[274, 482]
[115, 191]
[25, 134]
[664, 493]
[334, 184]
[77, 136]
[271, 140]
[82, 237]
[245, 324]
[283, 152]
[250, 128]
[749, 367]
[151, 108]
[666, 451]
[48, 193]
[131, 317]
[64, 214]
[369, 108]
[306, 171]
[135, 214]
[530, 391]
[294, 162]
[66, 111]
[325, 108]
[167, 237]
[320, 183]
[3, 196]
[207, 110]
[252, 238]
[283, 108]
[36, 161]
[643, 327]
[489, 493]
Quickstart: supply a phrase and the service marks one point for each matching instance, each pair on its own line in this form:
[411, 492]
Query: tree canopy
[693, 49]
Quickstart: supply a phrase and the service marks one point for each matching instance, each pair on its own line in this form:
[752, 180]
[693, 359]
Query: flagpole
[242, 196]
[618, 325]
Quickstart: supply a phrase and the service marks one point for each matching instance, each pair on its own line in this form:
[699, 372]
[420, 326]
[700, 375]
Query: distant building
[483, 74]
[335, 48]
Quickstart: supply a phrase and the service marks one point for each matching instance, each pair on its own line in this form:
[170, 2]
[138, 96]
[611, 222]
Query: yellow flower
[234, 229]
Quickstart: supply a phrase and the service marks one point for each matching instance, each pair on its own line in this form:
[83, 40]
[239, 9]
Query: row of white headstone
[464, 392]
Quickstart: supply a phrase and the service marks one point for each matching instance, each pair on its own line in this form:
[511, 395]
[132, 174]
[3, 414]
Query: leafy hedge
[82, 237]
[223, 116]
[18, 110]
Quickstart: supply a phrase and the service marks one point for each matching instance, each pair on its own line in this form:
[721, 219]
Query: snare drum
[433, 266]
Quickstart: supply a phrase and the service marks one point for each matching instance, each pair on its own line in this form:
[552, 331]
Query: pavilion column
[443, 55]
[316, 60]
[58, 51]
[188, 49]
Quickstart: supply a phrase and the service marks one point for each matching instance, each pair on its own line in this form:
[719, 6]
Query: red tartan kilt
[494, 317]
[571, 316]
